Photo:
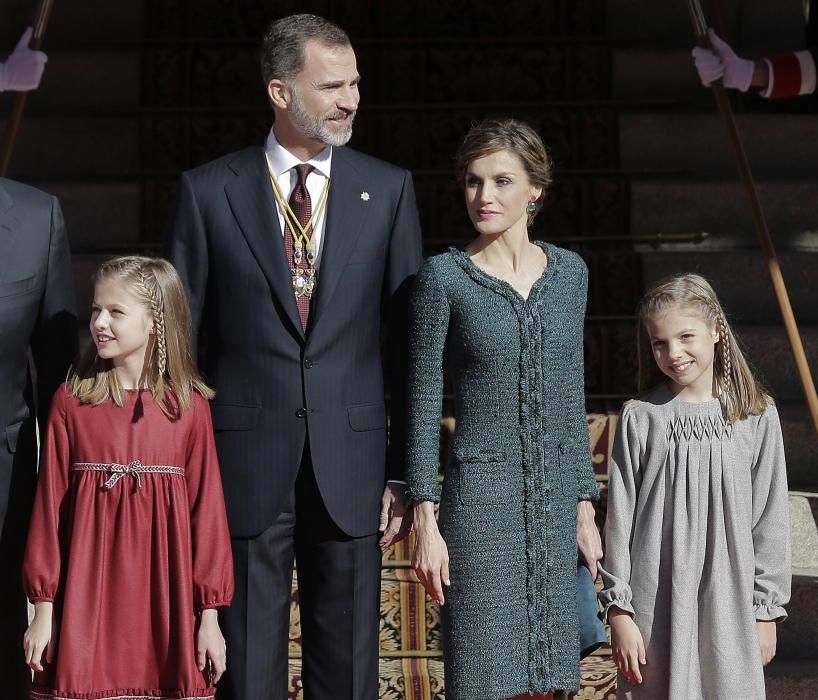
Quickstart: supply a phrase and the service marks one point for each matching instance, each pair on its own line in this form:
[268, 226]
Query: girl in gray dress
[697, 559]
[507, 317]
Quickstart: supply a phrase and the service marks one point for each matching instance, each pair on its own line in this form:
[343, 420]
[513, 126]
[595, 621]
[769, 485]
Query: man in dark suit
[36, 317]
[298, 257]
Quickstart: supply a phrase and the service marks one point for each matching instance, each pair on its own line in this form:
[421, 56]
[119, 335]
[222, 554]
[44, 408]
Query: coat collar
[347, 212]
[9, 229]
[251, 199]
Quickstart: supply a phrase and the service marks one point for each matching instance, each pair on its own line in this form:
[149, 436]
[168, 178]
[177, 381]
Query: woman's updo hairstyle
[493, 135]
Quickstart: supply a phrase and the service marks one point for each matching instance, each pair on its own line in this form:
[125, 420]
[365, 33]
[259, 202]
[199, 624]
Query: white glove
[24, 68]
[723, 63]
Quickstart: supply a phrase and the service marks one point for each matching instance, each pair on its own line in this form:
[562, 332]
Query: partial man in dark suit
[298, 256]
[37, 320]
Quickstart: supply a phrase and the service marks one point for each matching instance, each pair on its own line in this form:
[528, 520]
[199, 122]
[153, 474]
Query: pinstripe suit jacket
[277, 386]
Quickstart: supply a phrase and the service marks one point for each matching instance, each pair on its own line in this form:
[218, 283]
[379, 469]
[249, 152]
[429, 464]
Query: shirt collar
[281, 160]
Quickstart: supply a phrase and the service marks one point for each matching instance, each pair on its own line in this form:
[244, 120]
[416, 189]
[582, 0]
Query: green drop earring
[532, 206]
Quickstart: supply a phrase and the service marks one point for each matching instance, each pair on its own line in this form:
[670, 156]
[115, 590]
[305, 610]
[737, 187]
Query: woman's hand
[210, 644]
[766, 639]
[589, 543]
[38, 634]
[627, 644]
[431, 557]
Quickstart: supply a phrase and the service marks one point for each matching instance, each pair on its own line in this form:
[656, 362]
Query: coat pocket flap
[9, 289]
[469, 455]
[12, 433]
[367, 416]
[233, 416]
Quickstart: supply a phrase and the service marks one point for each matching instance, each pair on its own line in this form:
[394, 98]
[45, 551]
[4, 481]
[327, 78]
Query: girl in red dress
[128, 554]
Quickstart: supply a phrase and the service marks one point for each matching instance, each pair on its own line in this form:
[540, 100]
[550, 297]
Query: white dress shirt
[282, 164]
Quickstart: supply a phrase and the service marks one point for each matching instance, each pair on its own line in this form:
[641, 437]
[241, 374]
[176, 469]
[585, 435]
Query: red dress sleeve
[210, 537]
[43, 559]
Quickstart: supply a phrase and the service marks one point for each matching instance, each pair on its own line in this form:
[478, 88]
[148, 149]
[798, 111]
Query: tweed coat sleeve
[771, 531]
[623, 494]
[428, 328]
[575, 408]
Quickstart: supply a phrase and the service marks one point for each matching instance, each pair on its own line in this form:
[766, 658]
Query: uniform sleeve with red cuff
[791, 74]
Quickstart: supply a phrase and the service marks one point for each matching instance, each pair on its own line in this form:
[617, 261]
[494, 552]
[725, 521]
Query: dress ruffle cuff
[615, 594]
[769, 611]
[617, 603]
[212, 605]
[40, 596]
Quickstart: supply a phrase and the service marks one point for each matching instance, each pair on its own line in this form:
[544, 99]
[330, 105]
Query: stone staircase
[644, 184]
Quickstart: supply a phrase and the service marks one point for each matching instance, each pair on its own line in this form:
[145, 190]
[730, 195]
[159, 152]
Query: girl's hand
[210, 644]
[627, 645]
[38, 635]
[430, 559]
[766, 639]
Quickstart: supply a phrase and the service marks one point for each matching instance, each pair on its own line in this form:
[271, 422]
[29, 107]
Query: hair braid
[726, 355]
[157, 306]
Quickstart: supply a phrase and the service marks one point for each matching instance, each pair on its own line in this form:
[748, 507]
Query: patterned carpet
[411, 667]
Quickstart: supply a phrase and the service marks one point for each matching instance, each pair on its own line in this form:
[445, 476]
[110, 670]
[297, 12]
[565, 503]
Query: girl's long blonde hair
[170, 373]
[741, 394]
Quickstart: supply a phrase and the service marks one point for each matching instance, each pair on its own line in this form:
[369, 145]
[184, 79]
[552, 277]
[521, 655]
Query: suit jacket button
[308, 364]
[301, 413]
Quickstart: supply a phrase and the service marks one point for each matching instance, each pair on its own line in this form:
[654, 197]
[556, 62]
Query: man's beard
[317, 127]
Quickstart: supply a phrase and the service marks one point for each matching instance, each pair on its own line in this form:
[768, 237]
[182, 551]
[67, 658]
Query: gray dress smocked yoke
[697, 544]
[520, 460]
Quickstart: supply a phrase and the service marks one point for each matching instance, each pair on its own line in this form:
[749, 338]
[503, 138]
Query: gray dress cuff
[769, 611]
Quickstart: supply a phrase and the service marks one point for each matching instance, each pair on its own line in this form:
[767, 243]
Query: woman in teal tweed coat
[506, 315]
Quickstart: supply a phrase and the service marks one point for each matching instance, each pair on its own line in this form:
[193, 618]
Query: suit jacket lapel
[251, 200]
[346, 214]
[9, 230]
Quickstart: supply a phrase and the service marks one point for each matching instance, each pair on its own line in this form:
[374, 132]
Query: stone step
[660, 73]
[770, 354]
[91, 80]
[754, 301]
[720, 208]
[73, 147]
[803, 514]
[800, 444]
[698, 144]
[792, 679]
[73, 23]
[99, 213]
[749, 24]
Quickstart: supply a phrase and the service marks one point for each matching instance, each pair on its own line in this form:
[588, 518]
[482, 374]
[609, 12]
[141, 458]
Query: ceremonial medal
[304, 274]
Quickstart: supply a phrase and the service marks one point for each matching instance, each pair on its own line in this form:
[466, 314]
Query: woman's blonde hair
[493, 135]
[741, 394]
[170, 373]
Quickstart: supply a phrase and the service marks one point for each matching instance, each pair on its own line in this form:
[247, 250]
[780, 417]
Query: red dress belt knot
[118, 471]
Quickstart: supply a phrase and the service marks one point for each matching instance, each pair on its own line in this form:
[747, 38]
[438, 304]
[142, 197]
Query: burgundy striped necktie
[302, 208]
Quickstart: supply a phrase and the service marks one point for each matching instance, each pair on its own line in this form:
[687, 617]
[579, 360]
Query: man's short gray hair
[282, 49]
